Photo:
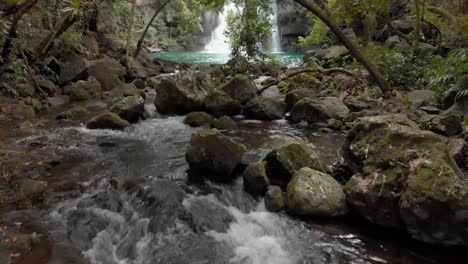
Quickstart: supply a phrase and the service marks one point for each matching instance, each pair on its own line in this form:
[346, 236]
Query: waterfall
[219, 42]
[275, 36]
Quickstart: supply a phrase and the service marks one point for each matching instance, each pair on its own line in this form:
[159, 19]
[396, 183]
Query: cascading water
[275, 36]
[219, 42]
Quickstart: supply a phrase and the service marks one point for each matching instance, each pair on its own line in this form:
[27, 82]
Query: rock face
[292, 23]
[84, 90]
[319, 110]
[108, 72]
[182, 94]
[274, 200]
[314, 193]
[107, 121]
[240, 88]
[285, 161]
[130, 108]
[255, 178]
[213, 155]
[196, 119]
[220, 104]
[263, 108]
[405, 178]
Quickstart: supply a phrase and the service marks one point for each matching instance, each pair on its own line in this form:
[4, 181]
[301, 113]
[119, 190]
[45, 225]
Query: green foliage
[462, 87]
[442, 73]
[319, 36]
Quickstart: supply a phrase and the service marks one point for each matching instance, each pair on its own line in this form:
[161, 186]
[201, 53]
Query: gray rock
[107, 121]
[274, 199]
[418, 98]
[130, 108]
[263, 108]
[319, 110]
[196, 119]
[256, 179]
[220, 104]
[240, 88]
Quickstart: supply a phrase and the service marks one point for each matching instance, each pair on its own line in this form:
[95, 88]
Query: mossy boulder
[274, 199]
[255, 178]
[196, 119]
[284, 161]
[295, 96]
[76, 113]
[213, 155]
[133, 91]
[405, 178]
[130, 108]
[263, 108]
[182, 94]
[447, 125]
[85, 90]
[107, 121]
[319, 110]
[314, 193]
[223, 123]
[219, 104]
[240, 88]
[108, 72]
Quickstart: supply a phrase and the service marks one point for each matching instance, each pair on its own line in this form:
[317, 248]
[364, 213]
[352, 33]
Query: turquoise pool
[217, 58]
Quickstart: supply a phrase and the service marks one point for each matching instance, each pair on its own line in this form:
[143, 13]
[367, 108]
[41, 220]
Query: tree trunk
[130, 28]
[143, 35]
[417, 23]
[353, 49]
[44, 46]
[8, 44]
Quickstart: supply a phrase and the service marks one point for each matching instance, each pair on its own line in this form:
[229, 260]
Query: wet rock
[108, 72]
[131, 90]
[220, 104]
[130, 108]
[274, 199]
[135, 69]
[405, 178]
[182, 94]
[84, 90]
[206, 215]
[240, 88]
[263, 108]
[319, 110]
[295, 96]
[223, 123]
[83, 225]
[56, 101]
[72, 67]
[418, 98]
[314, 193]
[76, 113]
[196, 119]
[284, 161]
[107, 121]
[104, 200]
[48, 87]
[30, 189]
[213, 155]
[256, 179]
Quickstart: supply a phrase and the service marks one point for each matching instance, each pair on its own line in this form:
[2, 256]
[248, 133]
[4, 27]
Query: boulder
[314, 193]
[72, 67]
[274, 199]
[107, 121]
[359, 103]
[418, 98]
[456, 148]
[263, 108]
[182, 94]
[240, 88]
[447, 125]
[196, 119]
[223, 123]
[295, 96]
[220, 104]
[405, 178]
[48, 87]
[85, 90]
[283, 162]
[319, 110]
[130, 108]
[213, 155]
[135, 70]
[395, 42]
[255, 178]
[131, 90]
[108, 72]
[76, 113]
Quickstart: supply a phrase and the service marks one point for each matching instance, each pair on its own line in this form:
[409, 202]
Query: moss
[196, 119]
[223, 123]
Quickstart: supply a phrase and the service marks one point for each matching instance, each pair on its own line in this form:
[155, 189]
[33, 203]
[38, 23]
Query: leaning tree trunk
[12, 35]
[130, 28]
[45, 44]
[352, 48]
[143, 35]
